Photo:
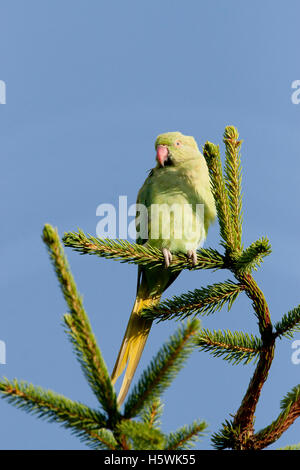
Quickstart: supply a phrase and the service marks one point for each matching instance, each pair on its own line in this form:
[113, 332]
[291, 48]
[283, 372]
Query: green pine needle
[290, 406]
[162, 370]
[186, 436]
[211, 153]
[152, 413]
[289, 324]
[232, 170]
[233, 347]
[290, 398]
[252, 257]
[46, 404]
[79, 327]
[226, 438]
[141, 435]
[204, 301]
[126, 252]
[103, 439]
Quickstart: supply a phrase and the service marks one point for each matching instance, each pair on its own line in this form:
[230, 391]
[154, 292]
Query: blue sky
[90, 84]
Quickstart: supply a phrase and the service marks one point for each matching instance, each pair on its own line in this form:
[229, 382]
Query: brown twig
[269, 435]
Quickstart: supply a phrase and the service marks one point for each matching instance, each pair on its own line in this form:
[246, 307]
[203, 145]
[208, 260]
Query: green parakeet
[172, 193]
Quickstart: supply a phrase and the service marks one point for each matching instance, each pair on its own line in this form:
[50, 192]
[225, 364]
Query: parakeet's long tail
[134, 340]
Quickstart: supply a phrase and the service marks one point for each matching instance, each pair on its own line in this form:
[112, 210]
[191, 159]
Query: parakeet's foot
[168, 257]
[192, 254]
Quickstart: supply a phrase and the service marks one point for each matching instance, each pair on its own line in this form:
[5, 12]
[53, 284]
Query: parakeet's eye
[177, 143]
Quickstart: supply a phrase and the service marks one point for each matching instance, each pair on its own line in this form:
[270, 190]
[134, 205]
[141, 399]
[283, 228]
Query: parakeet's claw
[192, 255]
[168, 257]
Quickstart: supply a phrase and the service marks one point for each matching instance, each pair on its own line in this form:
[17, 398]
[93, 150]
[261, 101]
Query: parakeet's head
[173, 148]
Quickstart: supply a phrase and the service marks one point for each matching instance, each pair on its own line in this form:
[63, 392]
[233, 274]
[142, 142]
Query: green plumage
[184, 181]
[180, 207]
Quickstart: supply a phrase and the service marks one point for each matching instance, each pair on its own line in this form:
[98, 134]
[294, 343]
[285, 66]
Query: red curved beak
[162, 153]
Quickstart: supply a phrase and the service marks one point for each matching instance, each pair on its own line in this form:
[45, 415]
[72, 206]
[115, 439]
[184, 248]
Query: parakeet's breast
[178, 202]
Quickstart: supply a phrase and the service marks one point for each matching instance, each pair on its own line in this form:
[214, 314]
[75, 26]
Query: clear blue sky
[90, 84]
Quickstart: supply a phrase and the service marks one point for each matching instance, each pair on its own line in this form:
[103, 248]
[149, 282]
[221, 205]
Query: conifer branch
[82, 337]
[259, 304]
[186, 436]
[204, 301]
[244, 418]
[102, 439]
[211, 153]
[289, 324]
[233, 181]
[227, 437]
[133, 253]
[152, 413]
[141, 435]
[233, 347]
[252, 256]
[290, 406]
[162, 369]
[229, 215]
[46, 404]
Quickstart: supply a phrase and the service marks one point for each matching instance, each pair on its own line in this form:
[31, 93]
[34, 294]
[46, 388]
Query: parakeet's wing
[145, 198]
